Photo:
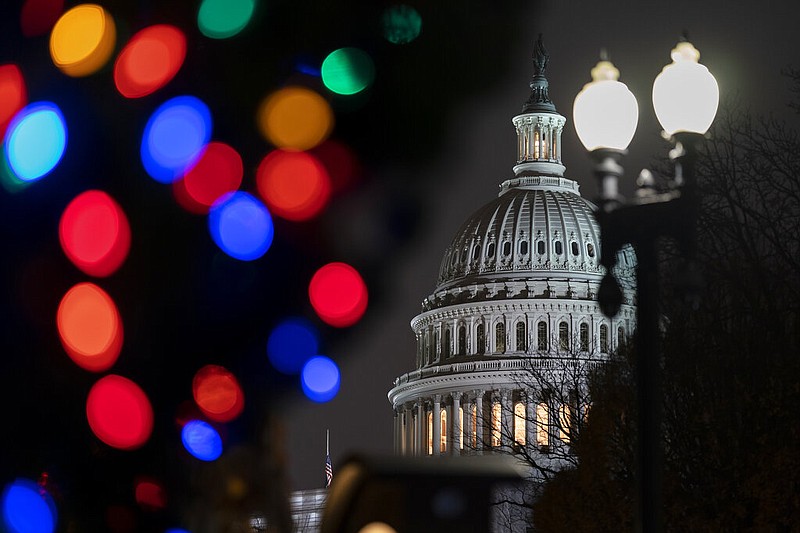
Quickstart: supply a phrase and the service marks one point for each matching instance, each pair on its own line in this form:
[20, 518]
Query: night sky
[433, 138]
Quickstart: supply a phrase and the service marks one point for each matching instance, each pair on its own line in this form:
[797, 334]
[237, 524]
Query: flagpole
[327, 442]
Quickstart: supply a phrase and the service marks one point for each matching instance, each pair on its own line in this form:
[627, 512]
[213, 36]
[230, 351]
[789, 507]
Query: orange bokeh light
[94, 233]
[13, 95]
[338, 294]
[295, 117]
[217, 393]
[90, 327]
[83, 40]
[150, 60]
[294, 185]
[119, 412]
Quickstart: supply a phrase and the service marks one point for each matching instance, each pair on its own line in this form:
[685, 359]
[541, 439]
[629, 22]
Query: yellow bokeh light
[295, 117]
[82, 40]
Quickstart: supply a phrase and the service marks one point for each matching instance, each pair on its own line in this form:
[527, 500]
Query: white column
[437, 424]
[455, 436]
[467, 438]
[506, 419]
[479, 423]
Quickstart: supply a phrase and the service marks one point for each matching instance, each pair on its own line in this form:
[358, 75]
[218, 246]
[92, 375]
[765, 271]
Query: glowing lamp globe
[605, 112]
[685, 93]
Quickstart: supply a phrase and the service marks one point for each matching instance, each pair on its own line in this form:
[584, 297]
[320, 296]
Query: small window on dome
[590, 249]
[540, 247]
[574, 246]
[490, 250]
[559, 248]
[507, 248]
[476, 252]
[523, 247]
[463, 255]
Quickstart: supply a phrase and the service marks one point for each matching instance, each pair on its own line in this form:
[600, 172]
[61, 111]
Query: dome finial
[539, 100]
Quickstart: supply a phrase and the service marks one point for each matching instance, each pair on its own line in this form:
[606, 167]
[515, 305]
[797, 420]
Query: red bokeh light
[119, 412]
[150, 493]
[13, 95]
[94, 233]
[150, 60]
[218, 172]
[294, 185]
[217, 393]
[338, 294]
[90, 327]
[39, 16]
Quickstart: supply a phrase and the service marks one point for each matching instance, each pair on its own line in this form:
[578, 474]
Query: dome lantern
[539, 126]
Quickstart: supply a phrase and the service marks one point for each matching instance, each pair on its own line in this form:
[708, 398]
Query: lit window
[541, 330]
[519, 423]
[500, 337]
[443, 440]
[584, 333]
[462, 340]
[559, 248]
[496, 424]
[536, 145]
[563, 336]
[480, 340]
[522, 343]
[542, 421]
[604, 338]
[564, 420]
[430, 433]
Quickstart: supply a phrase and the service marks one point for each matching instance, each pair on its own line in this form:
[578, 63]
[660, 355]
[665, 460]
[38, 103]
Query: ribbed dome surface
[536, 224]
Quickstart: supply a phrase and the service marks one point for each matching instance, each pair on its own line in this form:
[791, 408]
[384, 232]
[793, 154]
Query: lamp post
[685, 98]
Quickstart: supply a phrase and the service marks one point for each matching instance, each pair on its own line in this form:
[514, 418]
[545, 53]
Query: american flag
[328, 471]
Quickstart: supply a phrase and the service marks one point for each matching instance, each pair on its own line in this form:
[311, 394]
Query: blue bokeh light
[27, 508]
[35, 141]
[291, 344]
[241, 226]
[320, 379]
[175, 138]
[176, 530]
[201, 440]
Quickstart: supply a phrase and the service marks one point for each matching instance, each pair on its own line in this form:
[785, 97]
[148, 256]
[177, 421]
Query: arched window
[443, 439]
[559, 248]
[523, 247]
[500, 337]
[446, 345]
[490, 250]
[521, 335]
[604, 338]
[519, 423]
[590, 249]
[584, 334]
[542, 424]
[620, 336]
[480, 340]
[574, 246]
[476, 252]
[507, 248]
[540, 247]
[428, 347]
[496, 425]
[563, 336]
[435, 347]
[462, 340]
[541, 334]
[564, 421]
[464, 255]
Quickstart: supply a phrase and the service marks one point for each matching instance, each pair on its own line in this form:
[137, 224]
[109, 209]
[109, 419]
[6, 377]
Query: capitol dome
[516, 295]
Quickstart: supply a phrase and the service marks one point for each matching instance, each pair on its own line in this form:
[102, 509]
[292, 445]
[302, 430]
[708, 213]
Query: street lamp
[685, 98]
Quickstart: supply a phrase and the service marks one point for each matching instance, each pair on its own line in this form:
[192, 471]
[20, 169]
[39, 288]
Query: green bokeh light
[348, 71]
[401, 24]
[220, 19]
